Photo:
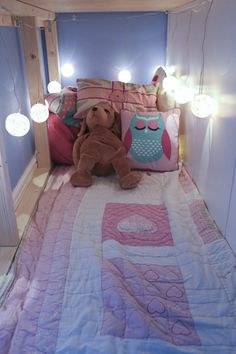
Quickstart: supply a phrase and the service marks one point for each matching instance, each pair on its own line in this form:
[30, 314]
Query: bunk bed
[106, 270]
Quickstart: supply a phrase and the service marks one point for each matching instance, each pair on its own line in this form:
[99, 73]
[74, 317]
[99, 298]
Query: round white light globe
[17, 124]
[67, 70]
[39, 113]
[124, 76]
[54, 87]
[202, 106]
[183, 94]
[170, 84]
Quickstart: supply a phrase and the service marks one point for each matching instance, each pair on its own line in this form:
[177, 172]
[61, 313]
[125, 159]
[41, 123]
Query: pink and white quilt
[103, 270]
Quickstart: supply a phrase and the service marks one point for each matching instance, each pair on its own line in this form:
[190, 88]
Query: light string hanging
[203, 105]
[16, 124]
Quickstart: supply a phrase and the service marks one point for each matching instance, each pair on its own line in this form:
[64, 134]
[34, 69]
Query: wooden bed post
[52, 50]
[35, 83]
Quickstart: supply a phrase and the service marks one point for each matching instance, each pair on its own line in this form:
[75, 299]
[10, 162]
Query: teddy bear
[98, 149]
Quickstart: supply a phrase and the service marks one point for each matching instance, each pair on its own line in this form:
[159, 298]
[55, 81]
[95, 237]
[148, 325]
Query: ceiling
[35, 7]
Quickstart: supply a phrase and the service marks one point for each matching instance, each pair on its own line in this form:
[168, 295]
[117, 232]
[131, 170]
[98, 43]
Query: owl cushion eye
[153, 126]
[140, 125]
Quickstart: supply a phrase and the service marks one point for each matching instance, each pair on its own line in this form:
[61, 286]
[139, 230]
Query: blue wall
[19, 150]
[101, 44]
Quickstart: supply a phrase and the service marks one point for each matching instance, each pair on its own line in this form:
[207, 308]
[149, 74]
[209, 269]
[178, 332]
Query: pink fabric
[155, 148]
[119, 94]
[207, 229]
[61, 140]
[137, 224]
[146, 301]
[48, 239]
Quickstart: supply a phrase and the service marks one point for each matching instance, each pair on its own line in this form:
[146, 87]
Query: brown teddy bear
[98, 150]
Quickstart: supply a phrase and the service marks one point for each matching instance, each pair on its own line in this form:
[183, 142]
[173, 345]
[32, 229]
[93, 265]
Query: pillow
[118, 94]
[63, 104]
[151, 139]
[165, 101]
[61, 140]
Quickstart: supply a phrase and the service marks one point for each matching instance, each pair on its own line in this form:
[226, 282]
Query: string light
[124, 76]
[39, 112]
[67, 70]
[183, 94]
[54, 87]
[203, 105]
[17, 124]
[170, 84]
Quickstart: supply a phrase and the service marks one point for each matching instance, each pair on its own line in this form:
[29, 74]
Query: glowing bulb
[183, 94]
[124, 76]
[170, 70]
[67, 70]
[170, 84]
[39, 113]
[17, 124]
[54, 87]
[203, 105]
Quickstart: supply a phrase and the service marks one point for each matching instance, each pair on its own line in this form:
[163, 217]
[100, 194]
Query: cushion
[63, 104]
[118, 94]
[151, 139]
[61, 140]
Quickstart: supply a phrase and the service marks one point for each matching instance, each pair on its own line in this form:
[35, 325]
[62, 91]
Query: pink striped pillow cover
[118, 94]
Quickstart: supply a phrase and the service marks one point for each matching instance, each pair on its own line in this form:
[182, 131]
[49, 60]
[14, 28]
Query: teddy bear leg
[128, 179]
[83, 176]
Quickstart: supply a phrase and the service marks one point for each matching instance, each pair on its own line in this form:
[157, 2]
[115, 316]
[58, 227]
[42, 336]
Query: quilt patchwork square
[137, 224]
[146, 301]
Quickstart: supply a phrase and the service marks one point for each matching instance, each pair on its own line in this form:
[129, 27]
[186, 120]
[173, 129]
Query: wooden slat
[109, 5]
[22, 8]
[52, 50]
[35, 84]
[6, 21]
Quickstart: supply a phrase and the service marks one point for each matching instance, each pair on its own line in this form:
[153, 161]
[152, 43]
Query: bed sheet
[105, 270]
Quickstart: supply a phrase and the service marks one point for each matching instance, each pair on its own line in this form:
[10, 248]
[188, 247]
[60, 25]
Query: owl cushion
[118, 94]
[151, 139]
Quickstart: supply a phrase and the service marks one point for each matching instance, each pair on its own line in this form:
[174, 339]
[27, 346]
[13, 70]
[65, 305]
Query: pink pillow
[61, 140]
[151, 139]
[118, 94]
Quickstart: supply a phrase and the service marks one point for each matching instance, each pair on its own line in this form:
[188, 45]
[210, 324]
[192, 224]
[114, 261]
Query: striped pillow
[63, 104]
[118, 94]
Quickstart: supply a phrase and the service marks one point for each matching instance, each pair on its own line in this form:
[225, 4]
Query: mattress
[105, 270]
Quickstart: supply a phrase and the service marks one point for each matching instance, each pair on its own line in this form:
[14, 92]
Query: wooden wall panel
[52, 50]
[35, 84]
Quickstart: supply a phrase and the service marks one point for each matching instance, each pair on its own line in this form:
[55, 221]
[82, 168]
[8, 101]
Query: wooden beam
[22, 8]
[30, 38]
[52, 50]
[6, 20]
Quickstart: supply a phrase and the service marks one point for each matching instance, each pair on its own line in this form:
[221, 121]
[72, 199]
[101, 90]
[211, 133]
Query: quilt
[104, 270]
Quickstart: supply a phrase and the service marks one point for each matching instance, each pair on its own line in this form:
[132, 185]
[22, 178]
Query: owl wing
[166, 145]
[128, 140]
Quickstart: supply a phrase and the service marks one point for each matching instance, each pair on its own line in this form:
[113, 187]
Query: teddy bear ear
[116, 128]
